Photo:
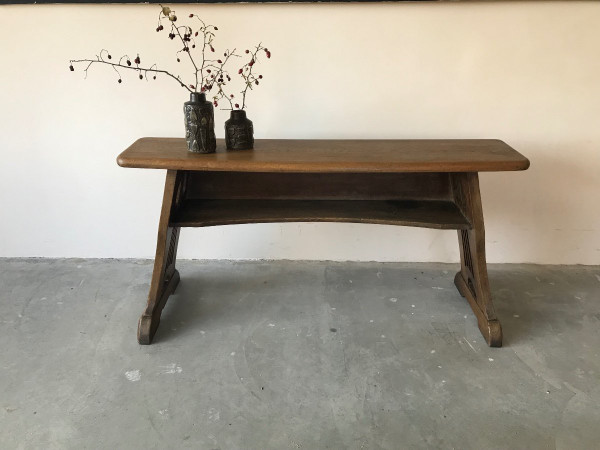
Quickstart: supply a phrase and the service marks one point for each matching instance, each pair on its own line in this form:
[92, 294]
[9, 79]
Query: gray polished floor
[311, 355]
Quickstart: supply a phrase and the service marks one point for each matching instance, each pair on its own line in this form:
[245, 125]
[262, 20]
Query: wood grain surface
[328, 156]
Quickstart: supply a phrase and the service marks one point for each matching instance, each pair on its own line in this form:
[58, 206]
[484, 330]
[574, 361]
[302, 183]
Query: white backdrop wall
[524, 72]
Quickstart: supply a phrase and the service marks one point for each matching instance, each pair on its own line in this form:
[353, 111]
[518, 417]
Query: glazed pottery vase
[239, 132]
[199, 124]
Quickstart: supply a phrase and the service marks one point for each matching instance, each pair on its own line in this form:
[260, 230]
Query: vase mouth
[197, 97]
[238, 113]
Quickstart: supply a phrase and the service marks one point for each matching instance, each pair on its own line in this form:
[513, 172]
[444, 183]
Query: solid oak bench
[419, 183]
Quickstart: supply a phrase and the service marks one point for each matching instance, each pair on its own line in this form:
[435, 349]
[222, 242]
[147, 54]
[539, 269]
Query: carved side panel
[467, 263]
[172, 253]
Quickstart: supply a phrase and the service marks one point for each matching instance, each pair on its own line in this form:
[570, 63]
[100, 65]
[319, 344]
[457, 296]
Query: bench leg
[472, 280]
[164, 277]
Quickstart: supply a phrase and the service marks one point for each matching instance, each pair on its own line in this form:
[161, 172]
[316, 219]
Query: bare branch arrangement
[197, 46]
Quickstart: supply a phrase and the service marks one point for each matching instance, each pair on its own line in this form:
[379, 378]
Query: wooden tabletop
[294, 155]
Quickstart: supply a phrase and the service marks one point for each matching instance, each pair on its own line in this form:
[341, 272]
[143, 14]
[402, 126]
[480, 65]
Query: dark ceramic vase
[199, 124]
[239, 132]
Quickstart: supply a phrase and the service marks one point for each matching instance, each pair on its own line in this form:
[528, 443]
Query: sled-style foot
[490, 329]
[148, 323]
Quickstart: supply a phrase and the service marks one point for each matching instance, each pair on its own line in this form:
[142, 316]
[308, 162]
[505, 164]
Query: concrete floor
[312, 355]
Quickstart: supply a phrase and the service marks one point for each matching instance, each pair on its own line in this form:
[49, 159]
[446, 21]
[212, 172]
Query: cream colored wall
[527, 73]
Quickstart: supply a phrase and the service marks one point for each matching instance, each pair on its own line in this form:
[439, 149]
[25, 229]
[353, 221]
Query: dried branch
[137, 68]
[246, 72]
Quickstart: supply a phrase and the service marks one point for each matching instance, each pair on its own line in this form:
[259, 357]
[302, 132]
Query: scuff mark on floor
[133, 375]
[171, 368]
[469, 344]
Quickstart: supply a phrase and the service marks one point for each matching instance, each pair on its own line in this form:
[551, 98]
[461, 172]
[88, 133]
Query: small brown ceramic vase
[239, 132]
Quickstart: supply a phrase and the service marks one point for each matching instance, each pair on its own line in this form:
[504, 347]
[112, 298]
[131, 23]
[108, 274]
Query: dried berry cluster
[209, 73]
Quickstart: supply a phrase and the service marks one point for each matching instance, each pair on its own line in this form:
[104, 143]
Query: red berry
[219, 61]
[240, 71]
[260, 76]
[196, 33]
[208, 70]
[128, 62]
[216, 29]
[231, 95]
[237, 105]
[160, 28]
[251, 63]
[192, 86]
[247, 51]
[191, 15]
[137, 59]
[212, 49]
[71, 68]
[216, 104]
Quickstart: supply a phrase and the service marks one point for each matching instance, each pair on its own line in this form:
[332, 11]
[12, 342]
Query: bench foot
[490, 329]
[148, 323]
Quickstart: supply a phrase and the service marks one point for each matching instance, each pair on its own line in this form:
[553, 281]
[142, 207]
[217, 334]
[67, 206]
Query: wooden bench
[419, 183]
